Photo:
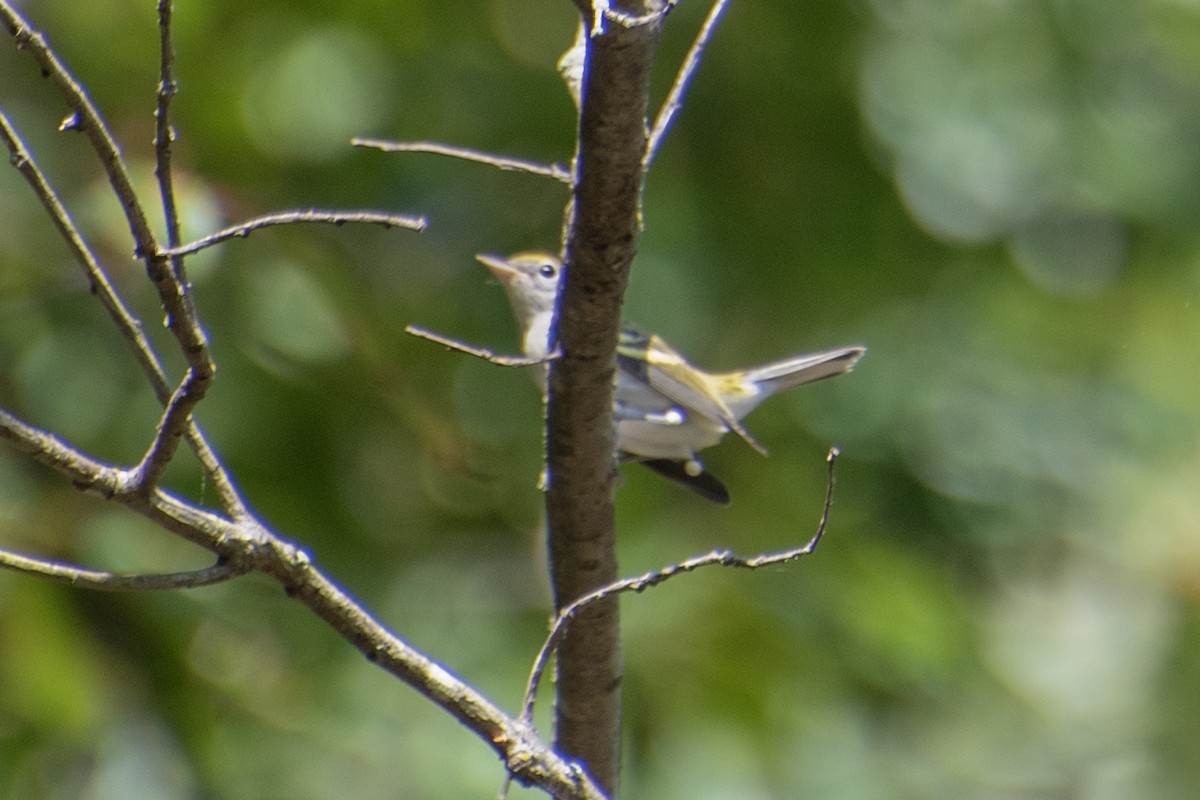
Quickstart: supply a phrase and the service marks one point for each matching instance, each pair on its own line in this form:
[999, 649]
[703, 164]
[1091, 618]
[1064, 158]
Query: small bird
[666, 410]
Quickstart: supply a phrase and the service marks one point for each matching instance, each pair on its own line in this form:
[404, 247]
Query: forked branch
[130, 327]
[246, 545]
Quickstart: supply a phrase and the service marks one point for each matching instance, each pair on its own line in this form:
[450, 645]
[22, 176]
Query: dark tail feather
[704, 484]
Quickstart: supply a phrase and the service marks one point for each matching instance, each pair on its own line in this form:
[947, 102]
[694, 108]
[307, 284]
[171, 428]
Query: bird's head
[532, 281]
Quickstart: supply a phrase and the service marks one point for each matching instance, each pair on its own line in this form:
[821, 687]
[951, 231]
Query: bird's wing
[652, 361]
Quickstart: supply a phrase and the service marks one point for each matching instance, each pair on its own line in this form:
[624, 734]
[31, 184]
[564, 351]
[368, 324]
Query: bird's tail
[795, 371]
[807, 368]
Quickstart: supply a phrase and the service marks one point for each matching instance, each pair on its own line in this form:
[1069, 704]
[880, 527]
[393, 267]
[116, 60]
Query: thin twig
[674, 102]
[164, 140]
[330, 217]
[164, 132]
[82, 578]
[556, 171]
[479, 352]
[178, 410]
[724, 558]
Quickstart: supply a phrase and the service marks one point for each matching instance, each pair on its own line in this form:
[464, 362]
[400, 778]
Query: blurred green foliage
[999, 198]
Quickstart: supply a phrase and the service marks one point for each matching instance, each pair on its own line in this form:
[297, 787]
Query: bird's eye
[547, 270]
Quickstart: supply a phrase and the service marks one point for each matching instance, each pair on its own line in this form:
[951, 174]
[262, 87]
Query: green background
[999, 198]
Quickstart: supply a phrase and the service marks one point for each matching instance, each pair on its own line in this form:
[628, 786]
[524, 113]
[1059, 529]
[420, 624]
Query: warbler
[666, 410]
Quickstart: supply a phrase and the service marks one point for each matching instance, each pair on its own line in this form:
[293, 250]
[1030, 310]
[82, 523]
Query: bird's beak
[498, 266]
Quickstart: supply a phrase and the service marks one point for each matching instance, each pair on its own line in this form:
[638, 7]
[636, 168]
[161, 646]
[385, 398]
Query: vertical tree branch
[601, 240]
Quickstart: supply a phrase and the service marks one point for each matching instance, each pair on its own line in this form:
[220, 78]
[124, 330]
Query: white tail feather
[777, 376]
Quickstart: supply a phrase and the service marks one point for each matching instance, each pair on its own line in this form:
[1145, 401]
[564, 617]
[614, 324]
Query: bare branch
[130, 326]
[329, 217]
[171, 283]
[85, 118]
[479, 352]
[674, 101]
[555, 171]
[166, 275]
[246, 544]
[526, 757]
[724, 558]
[82, 578]
[177, 413]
